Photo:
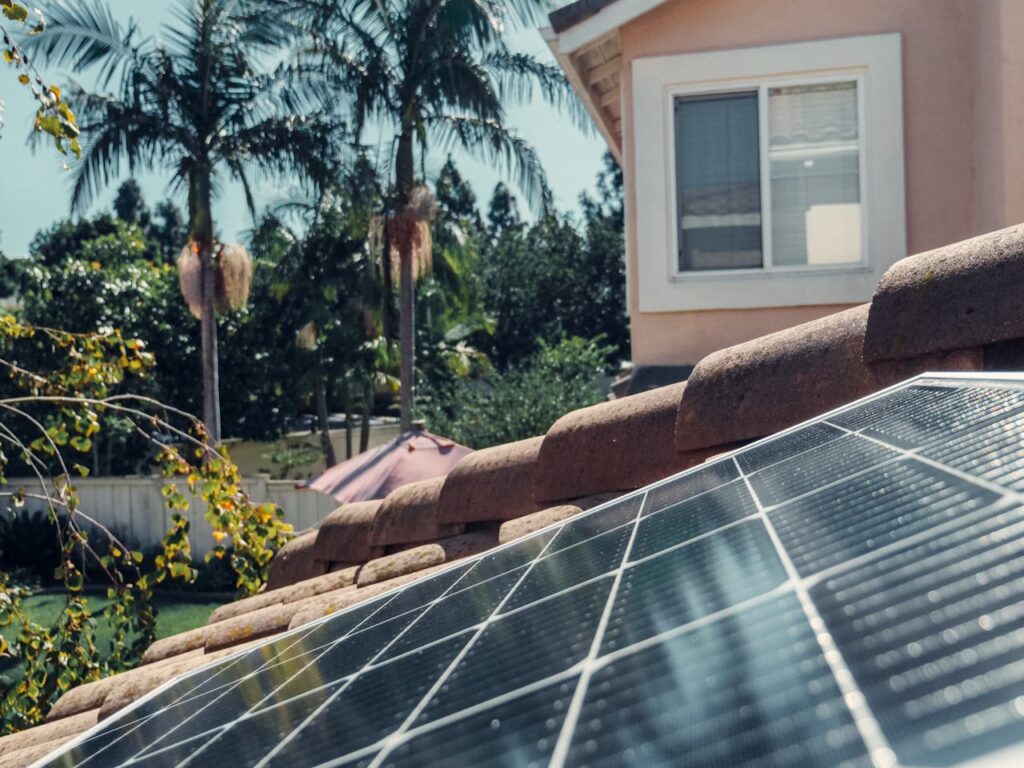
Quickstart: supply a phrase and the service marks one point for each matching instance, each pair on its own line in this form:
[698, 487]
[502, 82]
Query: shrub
[524, 400]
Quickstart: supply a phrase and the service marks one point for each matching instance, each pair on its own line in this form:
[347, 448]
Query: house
[780, 155]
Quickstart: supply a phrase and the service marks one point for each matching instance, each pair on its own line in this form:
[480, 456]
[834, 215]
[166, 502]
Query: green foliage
[549, 280]
[50, 420]
[175, 613]
[525, 400]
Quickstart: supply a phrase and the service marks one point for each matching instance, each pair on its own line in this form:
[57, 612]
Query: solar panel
[847, 593]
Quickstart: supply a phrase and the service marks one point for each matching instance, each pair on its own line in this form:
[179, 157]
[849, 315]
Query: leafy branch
[51, 415]
[53, 114]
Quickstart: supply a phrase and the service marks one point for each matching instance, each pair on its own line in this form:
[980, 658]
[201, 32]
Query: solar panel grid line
[366, 622]
[692, 539]
[572, 715]
[299, 634]
[610, 657]
[281, 745]
[982, 482]
[456, 717]
[323, 650]
[397, 736]
[880, 752]
[864, 469]
[812, 580]
[160, 690]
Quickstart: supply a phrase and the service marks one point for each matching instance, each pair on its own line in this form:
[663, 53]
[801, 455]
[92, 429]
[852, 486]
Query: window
[768, 177]
[806, 215]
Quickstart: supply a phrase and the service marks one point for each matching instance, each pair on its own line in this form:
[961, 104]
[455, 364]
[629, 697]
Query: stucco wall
[963, 111]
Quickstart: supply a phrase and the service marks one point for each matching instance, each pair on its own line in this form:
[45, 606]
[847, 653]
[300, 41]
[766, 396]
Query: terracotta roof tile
[317, 585]
[619, 445]
[773, 382]
[22, 757]
[962, 295]
[409, 514]
[325, 605]
[92, 695]
[344, 535]
[516, 529]
[295, 562]
[253, 626]
[245, 628]
[426, 556]
[49, 732]
[491, 484]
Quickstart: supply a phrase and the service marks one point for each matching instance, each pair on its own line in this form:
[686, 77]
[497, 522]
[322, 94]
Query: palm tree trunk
[364, 421]
[405, 172]
[323, 417]
[202, 229]
[347, 384]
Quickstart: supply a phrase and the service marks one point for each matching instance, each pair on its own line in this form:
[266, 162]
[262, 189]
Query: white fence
[134, 506]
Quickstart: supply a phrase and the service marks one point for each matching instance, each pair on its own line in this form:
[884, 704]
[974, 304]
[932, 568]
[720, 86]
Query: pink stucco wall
[963, 80]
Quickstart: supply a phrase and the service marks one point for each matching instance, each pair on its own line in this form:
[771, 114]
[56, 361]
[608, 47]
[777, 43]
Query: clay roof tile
[773, 382]
[409, 514]
[344, 535]
[491, 484]
[295, 562]
[962, 295]
[619, 445]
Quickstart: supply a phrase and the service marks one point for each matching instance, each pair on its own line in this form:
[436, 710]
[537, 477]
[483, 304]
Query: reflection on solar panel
[847, 593]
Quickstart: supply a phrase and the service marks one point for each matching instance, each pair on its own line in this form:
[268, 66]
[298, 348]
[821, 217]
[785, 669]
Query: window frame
[874, 63]
[761, 87]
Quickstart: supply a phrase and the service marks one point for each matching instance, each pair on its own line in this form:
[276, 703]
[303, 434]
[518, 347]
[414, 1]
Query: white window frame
[874, 63]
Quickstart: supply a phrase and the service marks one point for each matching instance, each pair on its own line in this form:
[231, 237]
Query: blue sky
[34, 188]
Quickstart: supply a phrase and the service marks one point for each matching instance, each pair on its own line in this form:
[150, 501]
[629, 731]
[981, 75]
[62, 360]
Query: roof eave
[601, 121]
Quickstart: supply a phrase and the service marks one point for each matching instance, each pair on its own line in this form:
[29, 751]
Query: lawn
[174, 614]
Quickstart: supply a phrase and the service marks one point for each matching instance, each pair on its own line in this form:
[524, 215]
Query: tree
[554, 278]
[438, 72]
[204, 105]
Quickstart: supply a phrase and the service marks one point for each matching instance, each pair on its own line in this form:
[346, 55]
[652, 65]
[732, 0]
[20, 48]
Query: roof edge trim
[607, 20]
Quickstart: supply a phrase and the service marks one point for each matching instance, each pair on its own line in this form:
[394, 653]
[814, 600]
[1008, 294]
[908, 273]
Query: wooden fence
[134, 508]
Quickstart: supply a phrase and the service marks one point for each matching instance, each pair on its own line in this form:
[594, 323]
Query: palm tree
[205, 104]
[439, 73]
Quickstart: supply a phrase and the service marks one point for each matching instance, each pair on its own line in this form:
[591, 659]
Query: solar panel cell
[934, 635]
[572, 566]
[786, 446]
[455, 612]
[693, 517]
[806, 472]
[750, 688]
[884, 505]
[693, 581]
[537, 642]
[691, 484]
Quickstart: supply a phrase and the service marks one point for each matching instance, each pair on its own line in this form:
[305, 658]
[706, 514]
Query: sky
[35, 188]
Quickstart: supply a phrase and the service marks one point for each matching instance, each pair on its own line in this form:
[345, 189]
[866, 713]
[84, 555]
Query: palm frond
[493, 142]
[83, 34]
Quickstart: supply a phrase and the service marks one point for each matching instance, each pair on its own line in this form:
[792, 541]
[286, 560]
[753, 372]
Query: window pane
[718, 187]
[814, 151]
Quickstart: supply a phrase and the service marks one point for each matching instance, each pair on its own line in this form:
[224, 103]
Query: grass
[175, 613]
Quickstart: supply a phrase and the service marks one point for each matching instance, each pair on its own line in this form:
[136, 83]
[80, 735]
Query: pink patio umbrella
[414, 455]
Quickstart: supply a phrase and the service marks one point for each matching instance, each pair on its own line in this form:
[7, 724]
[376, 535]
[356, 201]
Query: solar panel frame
[881, 752]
